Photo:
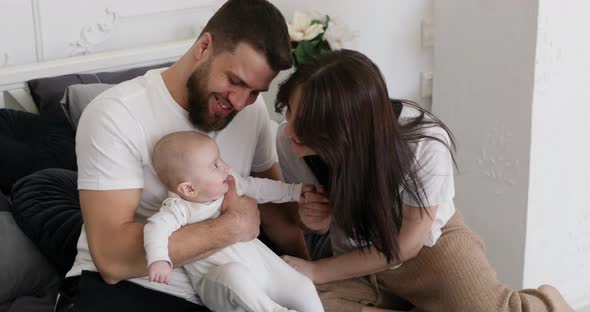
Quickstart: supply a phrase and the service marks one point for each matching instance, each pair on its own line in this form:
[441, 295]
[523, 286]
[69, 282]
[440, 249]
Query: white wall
[39, 30]
[388, 33]
[483, 87]
[510, 81]
[558, 224]
[17, 36]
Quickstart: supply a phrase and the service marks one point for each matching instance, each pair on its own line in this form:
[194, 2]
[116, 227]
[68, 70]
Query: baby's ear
[186, 189]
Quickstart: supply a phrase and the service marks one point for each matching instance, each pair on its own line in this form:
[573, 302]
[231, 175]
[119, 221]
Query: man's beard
[198, 102]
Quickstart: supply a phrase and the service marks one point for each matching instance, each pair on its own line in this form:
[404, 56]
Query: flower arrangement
[313, 36]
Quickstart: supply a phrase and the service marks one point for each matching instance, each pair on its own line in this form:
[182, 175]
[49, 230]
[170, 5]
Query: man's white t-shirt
[114, 143]
[435, 172]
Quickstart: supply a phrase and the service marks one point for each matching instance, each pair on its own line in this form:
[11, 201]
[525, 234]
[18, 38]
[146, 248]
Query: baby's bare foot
[556, 298]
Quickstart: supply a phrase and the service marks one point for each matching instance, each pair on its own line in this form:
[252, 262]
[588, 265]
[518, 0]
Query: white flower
[301, 28]
[316, 15]
[339, 35]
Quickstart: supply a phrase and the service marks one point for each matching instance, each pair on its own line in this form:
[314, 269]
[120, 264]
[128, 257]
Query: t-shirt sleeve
[265, 153]
[173, 214]
[293, 168]
[435, 172]
[266, 190]
[286, 158]
[108, 147]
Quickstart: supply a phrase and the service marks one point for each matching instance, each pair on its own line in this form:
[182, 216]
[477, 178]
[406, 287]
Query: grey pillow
[77, 97]
[47, 92]
[23, 269]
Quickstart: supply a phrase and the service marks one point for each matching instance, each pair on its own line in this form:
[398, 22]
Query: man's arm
[415, 226]
[280, 221]
[115, 240]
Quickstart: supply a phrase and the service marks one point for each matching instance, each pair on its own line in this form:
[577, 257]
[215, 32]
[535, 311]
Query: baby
[244, 276]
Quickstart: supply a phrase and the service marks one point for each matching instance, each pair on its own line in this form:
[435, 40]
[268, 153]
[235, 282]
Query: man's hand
[315, 211]
[243, 213]
[160, 271]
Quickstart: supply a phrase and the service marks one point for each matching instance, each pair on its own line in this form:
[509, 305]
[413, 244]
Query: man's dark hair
[255, 22]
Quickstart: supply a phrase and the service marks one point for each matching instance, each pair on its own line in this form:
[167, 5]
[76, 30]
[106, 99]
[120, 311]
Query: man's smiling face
[225, 84]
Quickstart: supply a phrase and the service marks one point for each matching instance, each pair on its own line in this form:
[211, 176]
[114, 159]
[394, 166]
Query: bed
[40, 104]
[36, 133]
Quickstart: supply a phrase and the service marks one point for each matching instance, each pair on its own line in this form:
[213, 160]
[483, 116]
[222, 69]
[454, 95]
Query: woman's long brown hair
[346, 116]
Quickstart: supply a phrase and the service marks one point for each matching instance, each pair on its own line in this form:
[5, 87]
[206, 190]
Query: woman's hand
[305, 267]
[315, 211]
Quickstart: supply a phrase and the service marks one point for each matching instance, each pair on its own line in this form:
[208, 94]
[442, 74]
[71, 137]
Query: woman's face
[299, 149]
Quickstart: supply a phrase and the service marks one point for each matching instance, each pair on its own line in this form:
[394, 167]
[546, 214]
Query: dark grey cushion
[30, 304]
[48, 92]
[24, 271]
[4, 203]
[30, 142]
[78, 96]
[46, 207]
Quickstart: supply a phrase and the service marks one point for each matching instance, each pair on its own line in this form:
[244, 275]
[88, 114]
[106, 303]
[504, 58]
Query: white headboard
[13, 78]
[59, 37]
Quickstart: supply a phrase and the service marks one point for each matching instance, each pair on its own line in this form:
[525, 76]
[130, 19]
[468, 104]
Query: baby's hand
[307, 188]
[160, 271]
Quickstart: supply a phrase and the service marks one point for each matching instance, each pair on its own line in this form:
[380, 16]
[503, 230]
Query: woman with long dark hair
[384, 199]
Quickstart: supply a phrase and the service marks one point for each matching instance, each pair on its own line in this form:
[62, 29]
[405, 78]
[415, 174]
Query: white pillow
[77, 97]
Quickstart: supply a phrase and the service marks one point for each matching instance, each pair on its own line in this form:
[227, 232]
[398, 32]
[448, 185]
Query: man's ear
[203, 47]
[186, 189]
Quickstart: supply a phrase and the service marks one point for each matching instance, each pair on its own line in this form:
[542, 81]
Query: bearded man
[214, 88]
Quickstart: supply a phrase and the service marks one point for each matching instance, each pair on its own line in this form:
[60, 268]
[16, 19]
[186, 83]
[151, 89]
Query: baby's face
[211, 174]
